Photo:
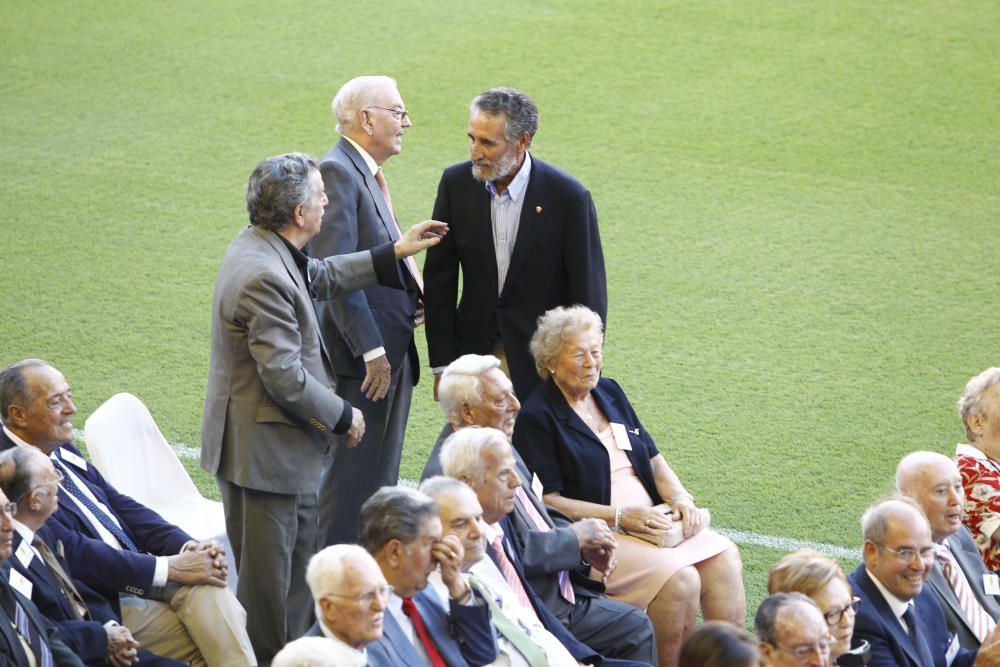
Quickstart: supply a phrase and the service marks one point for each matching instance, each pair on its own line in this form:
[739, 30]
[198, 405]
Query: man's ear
[16, 416]
[869, 553]
[466, 413]
[523, 141]
[394, 553]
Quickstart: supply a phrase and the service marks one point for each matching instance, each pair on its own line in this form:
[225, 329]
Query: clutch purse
[674, 535]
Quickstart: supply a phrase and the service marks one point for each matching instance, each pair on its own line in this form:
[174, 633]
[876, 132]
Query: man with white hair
[350, 594]
[966, 590]
[555, 551]
[368, 333]
[317, 652]
[979, 462]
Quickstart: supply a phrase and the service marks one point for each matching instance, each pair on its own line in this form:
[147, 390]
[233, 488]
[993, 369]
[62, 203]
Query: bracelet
[618, 517]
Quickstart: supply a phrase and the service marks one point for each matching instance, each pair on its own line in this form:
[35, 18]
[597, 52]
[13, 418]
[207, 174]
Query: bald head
[934, 482]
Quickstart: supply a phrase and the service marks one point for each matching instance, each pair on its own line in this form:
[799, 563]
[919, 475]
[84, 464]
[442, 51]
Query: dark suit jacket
[107, 570]
[11, 651]
[463, 635]
[270, 405]
[966, 554]
[565, 453]
[891, 646]
[557, 261]
[357, 218]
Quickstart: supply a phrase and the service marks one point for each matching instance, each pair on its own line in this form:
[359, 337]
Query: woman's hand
[692, 519]
[643, 520]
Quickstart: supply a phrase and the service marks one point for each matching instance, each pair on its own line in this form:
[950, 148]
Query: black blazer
[557, 261]
[11, 651]
[565, 453]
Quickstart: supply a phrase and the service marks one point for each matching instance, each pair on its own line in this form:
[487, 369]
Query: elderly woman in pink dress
[579, 434]
[979, 462]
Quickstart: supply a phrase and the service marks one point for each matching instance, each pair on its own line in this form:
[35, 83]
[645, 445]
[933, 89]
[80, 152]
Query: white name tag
[24, 554]
[952, 650]
[536, 485]
[991, 584]
[621, 437]
[70, 457]
[20, 583]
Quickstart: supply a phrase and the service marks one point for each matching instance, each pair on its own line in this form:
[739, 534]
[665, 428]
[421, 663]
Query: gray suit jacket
[358, 218]
[270, 406]
[966, 554]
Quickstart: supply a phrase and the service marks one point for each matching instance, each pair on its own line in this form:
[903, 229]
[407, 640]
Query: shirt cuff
[373, 354]
[162, 571]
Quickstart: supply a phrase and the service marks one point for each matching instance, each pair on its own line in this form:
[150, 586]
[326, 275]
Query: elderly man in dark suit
[967, 591]
[174, 598]
[271, 410]
[369, 332]
[86, 621]
[524, 235]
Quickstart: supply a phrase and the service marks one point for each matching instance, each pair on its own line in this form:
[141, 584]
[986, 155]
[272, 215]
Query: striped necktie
[565, 587]
[34, 639]
[979, 621]
[511, 631]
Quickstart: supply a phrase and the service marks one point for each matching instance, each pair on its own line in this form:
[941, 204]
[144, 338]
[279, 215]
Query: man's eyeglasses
[834, 616]
[366, 599]
[908, 555]
[10, 509]
[58, 479]
[398, 114]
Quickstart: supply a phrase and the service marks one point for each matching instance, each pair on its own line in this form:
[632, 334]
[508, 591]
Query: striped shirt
[505, 213]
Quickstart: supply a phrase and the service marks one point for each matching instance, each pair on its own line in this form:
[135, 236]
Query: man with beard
[525, 236]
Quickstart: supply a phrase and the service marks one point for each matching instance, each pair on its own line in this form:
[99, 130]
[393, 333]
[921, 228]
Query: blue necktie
[98, 513]
[37, 643]
[917, 638]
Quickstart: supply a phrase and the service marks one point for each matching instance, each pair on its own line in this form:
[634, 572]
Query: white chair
[126, 446]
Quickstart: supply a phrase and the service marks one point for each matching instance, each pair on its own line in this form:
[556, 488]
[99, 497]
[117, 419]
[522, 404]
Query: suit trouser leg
[613, 629]
[216, 622]
[158, 629]
[351, 476]
[273, 536]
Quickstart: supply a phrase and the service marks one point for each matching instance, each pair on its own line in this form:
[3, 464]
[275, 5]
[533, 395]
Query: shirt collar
[369, 160]
[898, 606]
[329, 635]
[492, 531]
[517, 186]
[395, 603]
[27, 534]
[300, 258]
[17, 440]
[971, 450]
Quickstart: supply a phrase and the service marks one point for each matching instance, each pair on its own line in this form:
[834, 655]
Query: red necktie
[411, 612]
[565, 587]
[411, 264]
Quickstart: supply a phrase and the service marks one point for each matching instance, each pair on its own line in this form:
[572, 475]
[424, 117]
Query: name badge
[621, 437]
[20, 583]
[952, 650]
[991, 584]
[24, 554]
[70, 457]
[536, 485]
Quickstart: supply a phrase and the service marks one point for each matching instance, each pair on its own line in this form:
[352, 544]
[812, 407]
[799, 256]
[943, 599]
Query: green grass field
[798, 200]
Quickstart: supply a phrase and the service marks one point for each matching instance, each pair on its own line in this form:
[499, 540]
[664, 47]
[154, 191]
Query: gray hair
[875, 520]
[555, 327]
[355, 95]
[327, 569]
[440, 485]
[911, 464]
[17, 473]
[765, 622]
[520, 113]
[318, 652]
[971, 402]
[14, 387]
[394, 513]
[462, 382]
[461, 453]
[277, 185]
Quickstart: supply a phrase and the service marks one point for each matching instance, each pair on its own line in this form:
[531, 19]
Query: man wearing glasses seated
[966, 590]
[902, 620]
[792, 631]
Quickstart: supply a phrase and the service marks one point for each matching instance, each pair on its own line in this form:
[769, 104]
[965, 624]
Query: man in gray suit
[270, 406]
[369, 332]
[966, 590]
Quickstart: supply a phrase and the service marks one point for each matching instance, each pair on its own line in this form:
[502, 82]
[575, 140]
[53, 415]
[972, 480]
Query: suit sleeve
[441, 288]
[348, 313]
[548, 552]
[584, 259]
[473, 630]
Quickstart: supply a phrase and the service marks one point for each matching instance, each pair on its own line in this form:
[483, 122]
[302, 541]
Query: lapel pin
[538, 209]
[635, 431]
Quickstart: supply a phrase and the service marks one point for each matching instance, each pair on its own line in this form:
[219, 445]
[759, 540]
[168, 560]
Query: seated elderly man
[555, 551]
[173, 595]
[483, 459]
[350, 594]
[318, 652]
[87, 623]
[979, 462]
[401, 529]
[792, 632]
[966, 590]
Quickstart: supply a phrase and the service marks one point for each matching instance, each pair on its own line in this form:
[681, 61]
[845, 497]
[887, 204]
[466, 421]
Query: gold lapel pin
[538, 209]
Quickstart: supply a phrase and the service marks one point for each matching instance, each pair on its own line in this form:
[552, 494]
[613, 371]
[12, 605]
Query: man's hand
[122, 648]
[195, 567]
[419, 237]
[357, 430]
[449, 554]
[437, 380]
[377, 374]
[593, 534]
[214, 549]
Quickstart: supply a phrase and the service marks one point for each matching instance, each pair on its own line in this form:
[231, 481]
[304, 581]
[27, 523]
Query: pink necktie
[510, 572]
[565, 587]
[410, 263]
[978, 619]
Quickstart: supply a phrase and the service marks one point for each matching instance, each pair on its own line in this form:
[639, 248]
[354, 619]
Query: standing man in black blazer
[523, 233]
[368, 333]
[967, 591]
